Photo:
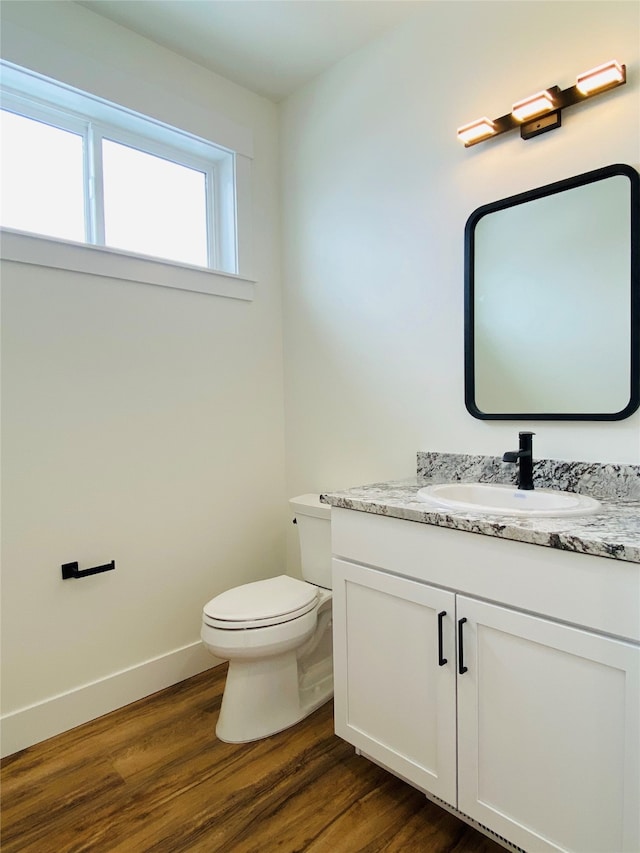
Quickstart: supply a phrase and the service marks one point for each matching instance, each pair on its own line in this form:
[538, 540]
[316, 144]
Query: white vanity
[500, 677]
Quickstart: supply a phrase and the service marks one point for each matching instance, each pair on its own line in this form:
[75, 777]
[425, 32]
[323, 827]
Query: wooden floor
[153, 777]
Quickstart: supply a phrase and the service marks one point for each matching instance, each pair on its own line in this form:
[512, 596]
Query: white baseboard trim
[35, 723]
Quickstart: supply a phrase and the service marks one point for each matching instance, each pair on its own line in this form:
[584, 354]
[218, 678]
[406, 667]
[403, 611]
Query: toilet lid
[261, 603]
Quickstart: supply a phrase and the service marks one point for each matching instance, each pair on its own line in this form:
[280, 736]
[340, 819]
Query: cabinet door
[394, 697]
[548, 730]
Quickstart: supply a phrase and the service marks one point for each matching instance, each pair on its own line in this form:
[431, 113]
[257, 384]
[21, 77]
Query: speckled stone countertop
[613, 531]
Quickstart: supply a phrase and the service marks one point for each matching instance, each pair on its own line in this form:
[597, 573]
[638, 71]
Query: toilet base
[265, 696]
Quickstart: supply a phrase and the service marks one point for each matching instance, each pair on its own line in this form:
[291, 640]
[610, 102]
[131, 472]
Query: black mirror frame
[469, 333]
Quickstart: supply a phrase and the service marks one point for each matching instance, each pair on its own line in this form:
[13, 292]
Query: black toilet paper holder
[70, 570]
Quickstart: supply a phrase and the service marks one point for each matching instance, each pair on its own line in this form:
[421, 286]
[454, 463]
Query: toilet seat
[260, 604]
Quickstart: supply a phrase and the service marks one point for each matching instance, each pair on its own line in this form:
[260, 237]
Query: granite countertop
[613, 531]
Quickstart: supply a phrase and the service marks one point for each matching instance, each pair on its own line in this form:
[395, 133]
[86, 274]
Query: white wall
[140, 423]
[376, 193]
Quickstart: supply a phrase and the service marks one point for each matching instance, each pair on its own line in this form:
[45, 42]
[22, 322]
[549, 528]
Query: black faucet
[525, 458]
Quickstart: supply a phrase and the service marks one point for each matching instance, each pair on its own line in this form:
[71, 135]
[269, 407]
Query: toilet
[277, 636]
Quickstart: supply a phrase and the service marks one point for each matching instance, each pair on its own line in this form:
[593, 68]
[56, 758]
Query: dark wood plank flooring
[153, 777]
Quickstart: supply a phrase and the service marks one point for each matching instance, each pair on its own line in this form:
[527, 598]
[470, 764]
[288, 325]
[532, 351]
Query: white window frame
[227, 180]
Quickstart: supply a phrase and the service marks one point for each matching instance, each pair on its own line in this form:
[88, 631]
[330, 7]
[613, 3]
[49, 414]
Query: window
[40, 193]
[154, 206]
[77, 168]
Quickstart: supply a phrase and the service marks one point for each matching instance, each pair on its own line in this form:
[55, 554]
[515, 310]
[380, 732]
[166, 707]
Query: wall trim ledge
[35, 723]
[25, 248]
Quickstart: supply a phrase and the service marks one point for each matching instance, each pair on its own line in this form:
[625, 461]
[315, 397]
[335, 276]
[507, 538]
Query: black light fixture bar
[550, 117]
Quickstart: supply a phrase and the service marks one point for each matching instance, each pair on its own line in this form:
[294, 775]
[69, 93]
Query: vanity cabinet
[393, 699]
[515, 719]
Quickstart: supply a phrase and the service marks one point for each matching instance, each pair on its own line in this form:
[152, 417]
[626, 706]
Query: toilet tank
[314, 531]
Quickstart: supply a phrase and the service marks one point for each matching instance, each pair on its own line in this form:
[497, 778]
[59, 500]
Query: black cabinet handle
[461, 667]
[441, 660]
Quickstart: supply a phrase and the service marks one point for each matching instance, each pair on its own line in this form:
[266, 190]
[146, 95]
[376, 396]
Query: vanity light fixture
[543, 111]
[478, 130]
[603, 77]
[534, 105]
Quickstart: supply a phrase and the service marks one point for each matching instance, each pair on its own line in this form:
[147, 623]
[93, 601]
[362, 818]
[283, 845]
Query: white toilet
[276, 635]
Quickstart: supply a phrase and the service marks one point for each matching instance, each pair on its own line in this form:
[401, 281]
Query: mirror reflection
[551, 301]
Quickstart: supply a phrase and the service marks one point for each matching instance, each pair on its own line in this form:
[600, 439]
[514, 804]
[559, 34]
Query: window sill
[24, 248]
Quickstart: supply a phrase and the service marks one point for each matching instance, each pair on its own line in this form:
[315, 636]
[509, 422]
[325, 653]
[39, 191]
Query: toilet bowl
[276, 635]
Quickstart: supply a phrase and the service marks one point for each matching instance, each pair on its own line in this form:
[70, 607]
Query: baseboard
[43, 720]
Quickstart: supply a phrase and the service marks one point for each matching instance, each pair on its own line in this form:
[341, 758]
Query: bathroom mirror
[552, 301]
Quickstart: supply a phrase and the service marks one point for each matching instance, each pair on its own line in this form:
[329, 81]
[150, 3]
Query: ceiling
[269, 46]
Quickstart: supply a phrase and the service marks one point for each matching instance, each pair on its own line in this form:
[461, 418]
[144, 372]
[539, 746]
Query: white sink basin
[499, 499]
